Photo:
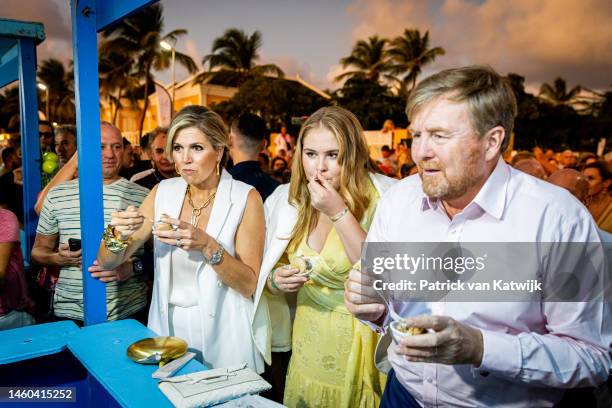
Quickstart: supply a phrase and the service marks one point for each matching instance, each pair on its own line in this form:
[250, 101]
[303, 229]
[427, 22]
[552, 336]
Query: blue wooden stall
[90, 362]
[18, 42]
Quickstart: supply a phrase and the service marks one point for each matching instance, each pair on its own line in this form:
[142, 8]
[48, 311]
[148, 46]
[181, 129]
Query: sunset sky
[538, 39]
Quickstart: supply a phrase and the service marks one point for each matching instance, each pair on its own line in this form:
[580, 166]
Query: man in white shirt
[504, 354]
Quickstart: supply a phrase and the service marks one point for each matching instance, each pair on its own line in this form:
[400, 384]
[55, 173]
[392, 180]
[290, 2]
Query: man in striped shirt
[60, 221]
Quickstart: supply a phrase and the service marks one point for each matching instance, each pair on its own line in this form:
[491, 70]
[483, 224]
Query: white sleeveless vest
[226, 314]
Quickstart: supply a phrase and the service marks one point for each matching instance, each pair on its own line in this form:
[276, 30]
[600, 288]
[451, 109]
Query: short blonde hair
[207, 122]
[488, 95]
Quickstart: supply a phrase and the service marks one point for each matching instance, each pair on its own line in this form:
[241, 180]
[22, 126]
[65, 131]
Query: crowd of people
[254, 257]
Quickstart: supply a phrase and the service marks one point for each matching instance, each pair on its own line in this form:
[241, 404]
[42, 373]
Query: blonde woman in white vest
[321, 219]
[208, 237]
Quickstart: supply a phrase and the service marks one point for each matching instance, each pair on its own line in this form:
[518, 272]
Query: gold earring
[218, 170]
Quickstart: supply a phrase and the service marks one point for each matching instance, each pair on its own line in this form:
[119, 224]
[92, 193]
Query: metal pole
[173, 82]
[30, 145]
[87, 101]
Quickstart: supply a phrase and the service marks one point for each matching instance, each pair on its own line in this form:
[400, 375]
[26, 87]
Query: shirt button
[212, 315]
[429, 379]
[220, 284]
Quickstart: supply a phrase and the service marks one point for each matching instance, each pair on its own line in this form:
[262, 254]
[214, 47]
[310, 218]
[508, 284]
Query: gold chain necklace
[196, 211]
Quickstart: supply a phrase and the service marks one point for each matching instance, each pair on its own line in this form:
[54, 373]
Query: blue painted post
[85, 48]
[30, 145]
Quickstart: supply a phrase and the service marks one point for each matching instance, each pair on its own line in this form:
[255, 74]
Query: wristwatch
[137, 266]
[217, 256]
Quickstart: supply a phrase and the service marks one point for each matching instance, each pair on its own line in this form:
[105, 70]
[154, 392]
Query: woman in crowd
[320, 220]
[209, 239]
[14, 301]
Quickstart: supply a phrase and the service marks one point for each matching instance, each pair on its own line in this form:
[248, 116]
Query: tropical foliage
[557, 93]
[234, 59]
[409, 53]
[60, 84]
[137, 39]
[368, 59]
[277, 100]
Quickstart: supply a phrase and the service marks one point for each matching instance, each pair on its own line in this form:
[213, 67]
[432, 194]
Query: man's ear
[231, 140]
[494, 139]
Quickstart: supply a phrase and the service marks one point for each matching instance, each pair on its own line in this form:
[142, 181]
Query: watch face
[137, 266]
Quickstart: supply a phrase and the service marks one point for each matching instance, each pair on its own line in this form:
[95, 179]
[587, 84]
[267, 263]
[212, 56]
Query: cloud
[538, 39]
[55, 15]
[192, 51]
[333, 72]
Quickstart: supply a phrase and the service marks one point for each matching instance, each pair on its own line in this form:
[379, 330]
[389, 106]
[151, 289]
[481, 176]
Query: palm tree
[234, 59]
[60, 82]
[369, 58]
[139, 37]
[409, 53]
[118, 79]
[557, 94]
[9, 109]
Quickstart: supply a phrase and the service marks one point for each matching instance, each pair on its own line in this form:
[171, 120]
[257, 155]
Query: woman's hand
[182, 235]
[286, 280]
[127, 222]
[324, 197]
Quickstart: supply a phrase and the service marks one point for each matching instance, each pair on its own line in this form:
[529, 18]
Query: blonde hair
[207, 122]
[489, 97]
[353, 159]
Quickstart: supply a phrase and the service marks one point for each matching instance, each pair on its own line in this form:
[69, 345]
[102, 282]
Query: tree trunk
[146, 101]
[117, 107]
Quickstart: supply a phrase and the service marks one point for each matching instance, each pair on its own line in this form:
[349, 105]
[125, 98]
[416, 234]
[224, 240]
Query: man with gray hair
[162, 168]
[493, 354]
[65, 143]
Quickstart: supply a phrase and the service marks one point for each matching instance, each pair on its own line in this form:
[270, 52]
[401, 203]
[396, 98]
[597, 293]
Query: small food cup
[399, 330]
[303, 264]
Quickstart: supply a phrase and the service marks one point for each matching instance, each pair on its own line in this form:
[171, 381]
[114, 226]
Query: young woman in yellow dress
[319, 220]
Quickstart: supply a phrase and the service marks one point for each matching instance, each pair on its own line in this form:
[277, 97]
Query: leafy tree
[60, 83]
[138, 38]
[118, 79]
[234, 58]
[277, 100]
[557, 93]
[368, 59]
[409, 53]
[371, 102]
[9, 109]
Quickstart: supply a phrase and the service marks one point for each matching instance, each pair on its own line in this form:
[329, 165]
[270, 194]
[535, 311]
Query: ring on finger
[178, 242]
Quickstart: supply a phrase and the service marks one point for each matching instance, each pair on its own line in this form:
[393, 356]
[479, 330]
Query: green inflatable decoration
[49, 166]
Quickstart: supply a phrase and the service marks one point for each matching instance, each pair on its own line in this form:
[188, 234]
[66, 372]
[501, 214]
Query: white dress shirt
[531, 350]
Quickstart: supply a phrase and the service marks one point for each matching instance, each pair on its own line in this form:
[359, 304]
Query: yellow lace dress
[332, 364]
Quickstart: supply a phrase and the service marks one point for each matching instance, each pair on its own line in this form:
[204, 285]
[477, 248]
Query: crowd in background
[51, 288]
[584, 174]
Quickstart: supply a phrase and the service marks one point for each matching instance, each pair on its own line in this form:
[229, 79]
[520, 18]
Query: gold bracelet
[112, 242]
[339, 215]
